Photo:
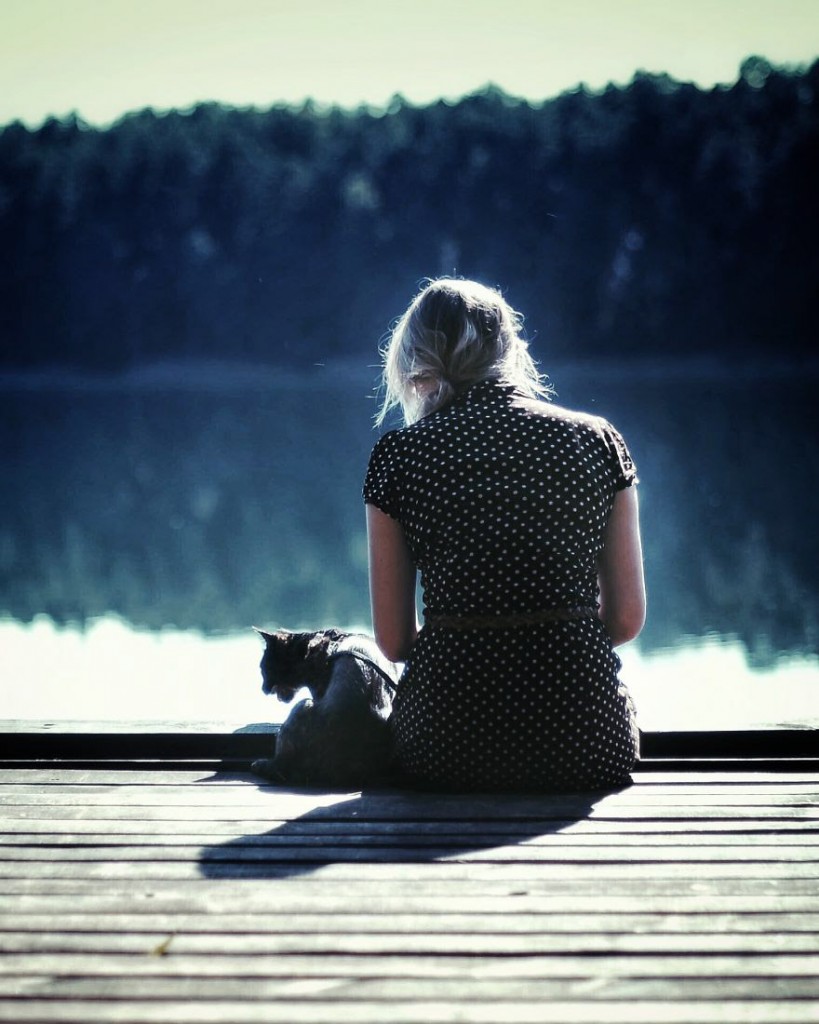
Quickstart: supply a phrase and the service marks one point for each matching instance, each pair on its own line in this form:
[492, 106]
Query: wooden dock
[193, 895]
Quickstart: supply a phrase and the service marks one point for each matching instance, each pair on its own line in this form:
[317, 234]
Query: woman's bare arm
[392, 585]
[620, 570]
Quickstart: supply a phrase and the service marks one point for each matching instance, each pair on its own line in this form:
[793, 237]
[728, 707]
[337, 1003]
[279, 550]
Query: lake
[148, 521]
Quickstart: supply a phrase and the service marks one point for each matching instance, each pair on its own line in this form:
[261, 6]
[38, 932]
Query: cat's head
[292, 660]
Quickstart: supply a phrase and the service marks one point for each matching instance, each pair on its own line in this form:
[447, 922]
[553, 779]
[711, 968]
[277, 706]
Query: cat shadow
[386, 826]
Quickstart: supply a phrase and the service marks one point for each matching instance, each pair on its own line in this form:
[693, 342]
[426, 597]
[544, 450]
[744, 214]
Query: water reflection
[113, 672]
[210, 502]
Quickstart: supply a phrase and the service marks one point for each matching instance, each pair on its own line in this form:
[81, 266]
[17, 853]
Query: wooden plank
[783, 765]
[803, 862]
[397, 802]
[692, 782]
[253, 821]
[134, 745]
[608, 968]
[692, 817]
[305, 899]
[344, 990]
[665, 744]
[541, 850]
[716, 783]
[361, 885]
[290, 805]
[349, 866]
[643, 784]
[799, 844]
[28, 829]
[365, 922]
[418, 1012]
[153, 773]
[467, 943]
[731, 743]
[168, 765]
[613, 821]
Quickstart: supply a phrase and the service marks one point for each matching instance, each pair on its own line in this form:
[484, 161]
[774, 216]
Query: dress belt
[509, 621]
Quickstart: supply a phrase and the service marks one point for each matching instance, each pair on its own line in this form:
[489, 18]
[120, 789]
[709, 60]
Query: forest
[656, 219]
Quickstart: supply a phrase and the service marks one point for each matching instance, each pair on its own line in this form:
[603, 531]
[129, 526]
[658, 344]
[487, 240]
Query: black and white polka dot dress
[503, 501]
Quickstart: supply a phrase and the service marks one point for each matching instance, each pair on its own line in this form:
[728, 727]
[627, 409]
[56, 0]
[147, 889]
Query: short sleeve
[380, 483]
[620, 460]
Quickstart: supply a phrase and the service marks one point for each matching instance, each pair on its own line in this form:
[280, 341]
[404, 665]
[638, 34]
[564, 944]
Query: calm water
[146, 524]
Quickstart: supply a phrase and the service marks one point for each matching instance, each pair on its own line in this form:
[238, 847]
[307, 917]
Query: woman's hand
[392, 585]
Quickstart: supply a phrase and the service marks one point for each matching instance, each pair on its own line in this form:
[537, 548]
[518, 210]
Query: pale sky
[102, 58]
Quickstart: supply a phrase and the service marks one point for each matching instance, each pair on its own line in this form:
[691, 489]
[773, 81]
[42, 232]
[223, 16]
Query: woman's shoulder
[398, 437]
[571, 418]
[386, 443]
[585, 430]
[397, 441]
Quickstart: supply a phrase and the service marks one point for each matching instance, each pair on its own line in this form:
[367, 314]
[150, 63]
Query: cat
[340, 736]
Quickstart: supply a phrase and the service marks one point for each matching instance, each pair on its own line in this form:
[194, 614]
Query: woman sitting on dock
[522, 519]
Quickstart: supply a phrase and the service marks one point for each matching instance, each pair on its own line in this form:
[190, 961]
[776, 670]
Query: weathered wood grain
[497, 921]
[187, 897]
[297, 898]
[372, 872]
[423, 835]
[443, 942]
[279, 848]
[386, 801]
[422, 1011]
[464, 990]
[359, 884]
[606, 969]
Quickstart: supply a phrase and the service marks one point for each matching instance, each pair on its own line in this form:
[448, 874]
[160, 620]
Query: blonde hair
[455, 333]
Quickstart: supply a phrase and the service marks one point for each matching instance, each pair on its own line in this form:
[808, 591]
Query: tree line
[653, 219]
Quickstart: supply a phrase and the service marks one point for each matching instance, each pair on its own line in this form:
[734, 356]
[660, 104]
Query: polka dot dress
[503, 501]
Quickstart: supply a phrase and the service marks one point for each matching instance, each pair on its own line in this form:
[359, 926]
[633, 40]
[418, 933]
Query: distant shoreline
[205, 375]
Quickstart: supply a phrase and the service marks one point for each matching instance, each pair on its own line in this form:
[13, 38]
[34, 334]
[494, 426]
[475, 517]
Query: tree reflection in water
[215, 508]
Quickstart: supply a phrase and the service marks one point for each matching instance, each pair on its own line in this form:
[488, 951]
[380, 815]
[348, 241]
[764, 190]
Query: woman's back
[503, 501]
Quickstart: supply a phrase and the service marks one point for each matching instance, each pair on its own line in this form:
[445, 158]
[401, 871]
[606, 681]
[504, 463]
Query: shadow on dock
[313, 830]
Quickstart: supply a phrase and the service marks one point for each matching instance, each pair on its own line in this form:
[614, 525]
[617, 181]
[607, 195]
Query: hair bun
[457, 333]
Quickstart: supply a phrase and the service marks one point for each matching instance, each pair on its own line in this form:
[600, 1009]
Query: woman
[522, 520]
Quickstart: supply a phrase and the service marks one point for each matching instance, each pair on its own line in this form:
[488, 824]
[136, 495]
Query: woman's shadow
[388, 826]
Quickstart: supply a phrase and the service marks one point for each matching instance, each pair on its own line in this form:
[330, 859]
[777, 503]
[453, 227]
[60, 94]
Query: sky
[103, 58]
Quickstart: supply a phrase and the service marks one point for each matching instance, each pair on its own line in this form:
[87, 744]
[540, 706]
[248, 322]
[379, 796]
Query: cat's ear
[318, 644]
[265, 635]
